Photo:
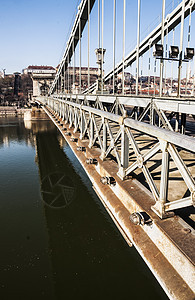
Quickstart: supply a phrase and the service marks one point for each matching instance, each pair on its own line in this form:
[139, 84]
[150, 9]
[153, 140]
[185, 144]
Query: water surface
[57, 240]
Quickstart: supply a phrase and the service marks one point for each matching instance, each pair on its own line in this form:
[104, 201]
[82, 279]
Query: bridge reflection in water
[89, 258]
[62, 249]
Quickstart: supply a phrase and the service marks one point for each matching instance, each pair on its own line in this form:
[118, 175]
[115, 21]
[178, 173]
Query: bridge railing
[138, 148]
[164, 112]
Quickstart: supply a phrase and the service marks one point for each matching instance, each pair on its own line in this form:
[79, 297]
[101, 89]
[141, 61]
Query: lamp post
[100, 60]
[173, 55]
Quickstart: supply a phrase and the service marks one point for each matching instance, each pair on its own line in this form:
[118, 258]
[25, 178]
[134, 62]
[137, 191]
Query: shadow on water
[90, 260]
[56, 231]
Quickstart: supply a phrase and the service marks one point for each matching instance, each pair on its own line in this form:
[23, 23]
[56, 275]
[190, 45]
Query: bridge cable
[68, 75]
[188, 63]
[88, 44]
[98, 24]
[166, 54]
[73, 50]
[141, 72]
[149, 63]
[64, 78]
[123, 72]
[80, 56]
[114, 43]
[173, 41]
[193, 93]
[138, 42]
[181, 48]
[102, 45]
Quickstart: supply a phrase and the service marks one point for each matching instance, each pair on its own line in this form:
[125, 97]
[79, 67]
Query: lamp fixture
[158, 50]
[174, 52]
[189, 53]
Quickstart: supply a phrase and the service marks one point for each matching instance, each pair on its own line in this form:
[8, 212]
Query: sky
[35, 32]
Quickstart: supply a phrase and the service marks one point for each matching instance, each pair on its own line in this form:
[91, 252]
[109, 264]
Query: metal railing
[122, 138]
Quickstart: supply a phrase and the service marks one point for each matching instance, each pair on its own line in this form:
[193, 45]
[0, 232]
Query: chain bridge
[134, 135]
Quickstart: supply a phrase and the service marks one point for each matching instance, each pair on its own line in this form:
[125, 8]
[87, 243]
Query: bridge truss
[149, 137]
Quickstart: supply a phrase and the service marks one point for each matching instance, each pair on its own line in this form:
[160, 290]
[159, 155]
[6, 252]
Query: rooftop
[41, 68]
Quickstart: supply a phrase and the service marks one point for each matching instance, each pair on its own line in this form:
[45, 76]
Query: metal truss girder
[99, 122]
[186, 106]
[178, 139]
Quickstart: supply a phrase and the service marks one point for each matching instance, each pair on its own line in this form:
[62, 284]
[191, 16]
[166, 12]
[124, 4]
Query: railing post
[60, 109]
[164, 174]
[63, 105]
[105, 140]
[70, 118]
[91, 137]
[124, 152]
[183, 123]
[82, 124]
[159, 206]
[177, 122]
[66, 113]
[152, 112]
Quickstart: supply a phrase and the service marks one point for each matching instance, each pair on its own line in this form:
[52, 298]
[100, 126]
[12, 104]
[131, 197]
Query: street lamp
[173, 54]
[100, 60]
[158, 50]
[189, 53]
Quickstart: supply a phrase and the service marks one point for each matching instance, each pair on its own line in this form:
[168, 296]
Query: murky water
[57, 240]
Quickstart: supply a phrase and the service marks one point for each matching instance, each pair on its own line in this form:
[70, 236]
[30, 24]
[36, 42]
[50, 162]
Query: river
[57, 240]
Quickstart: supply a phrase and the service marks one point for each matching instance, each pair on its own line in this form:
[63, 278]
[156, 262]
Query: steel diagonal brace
[140, 118]
[141, 159]
[133, 142]
[151, 183]
[140, 163]
[87, 122]
[99, 104]
[113, 107]
[112, 143]
[97, 136]
[119, 108]
[184, 171]
[162, 117]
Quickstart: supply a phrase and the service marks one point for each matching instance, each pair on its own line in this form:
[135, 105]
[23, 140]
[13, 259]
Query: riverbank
[33, 113]
[12, 110]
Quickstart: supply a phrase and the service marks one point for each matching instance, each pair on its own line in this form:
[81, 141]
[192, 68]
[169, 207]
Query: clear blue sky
[35, 32]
